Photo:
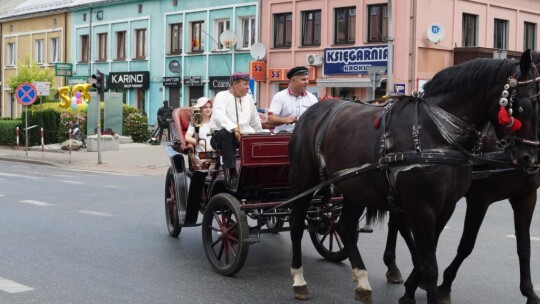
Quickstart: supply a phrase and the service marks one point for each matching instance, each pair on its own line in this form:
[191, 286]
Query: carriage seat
[182, 119]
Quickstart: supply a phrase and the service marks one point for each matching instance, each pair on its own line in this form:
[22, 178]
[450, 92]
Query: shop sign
[193, 81]
[279, 74]
[354, 60]
[257, 70]
[171, 81]
[63, 69]
[219, 83]
[129, 80]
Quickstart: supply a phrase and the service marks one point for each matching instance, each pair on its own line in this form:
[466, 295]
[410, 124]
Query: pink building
[341, 40]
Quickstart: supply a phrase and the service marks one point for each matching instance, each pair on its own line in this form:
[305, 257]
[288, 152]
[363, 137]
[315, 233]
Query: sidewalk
[131, 158]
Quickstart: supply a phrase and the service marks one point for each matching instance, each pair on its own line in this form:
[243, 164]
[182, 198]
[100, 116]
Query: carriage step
[254, 237]
[366, 229]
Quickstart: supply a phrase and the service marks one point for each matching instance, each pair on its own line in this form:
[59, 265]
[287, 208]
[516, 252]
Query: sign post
[26, 94]
[375, 75]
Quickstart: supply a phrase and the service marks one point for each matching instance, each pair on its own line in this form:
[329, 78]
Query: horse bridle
[508, 95]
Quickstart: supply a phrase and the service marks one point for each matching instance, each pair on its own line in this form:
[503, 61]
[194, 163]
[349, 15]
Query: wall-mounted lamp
[99, 15]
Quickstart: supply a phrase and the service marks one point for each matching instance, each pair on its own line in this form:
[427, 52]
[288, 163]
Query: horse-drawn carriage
[234, 216]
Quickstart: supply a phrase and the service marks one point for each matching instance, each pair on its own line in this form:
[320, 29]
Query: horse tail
[375, 216]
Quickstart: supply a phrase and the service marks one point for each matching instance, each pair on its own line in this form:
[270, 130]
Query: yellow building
[37, 32]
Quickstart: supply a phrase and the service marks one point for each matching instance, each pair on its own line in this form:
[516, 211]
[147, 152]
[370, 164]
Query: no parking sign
[26, 94]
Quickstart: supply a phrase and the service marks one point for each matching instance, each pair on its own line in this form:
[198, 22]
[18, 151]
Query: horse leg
[393, 275]
[423, 222]
[523, 211]
[297, 223]
[347, 225]
[476, 211]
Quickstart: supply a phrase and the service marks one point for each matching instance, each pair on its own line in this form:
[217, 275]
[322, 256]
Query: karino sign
[354, 60]
[129, 80]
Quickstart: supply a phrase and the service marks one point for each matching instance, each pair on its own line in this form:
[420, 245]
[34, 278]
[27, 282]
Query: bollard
[17, 138]
[42, 141]
[69, 145]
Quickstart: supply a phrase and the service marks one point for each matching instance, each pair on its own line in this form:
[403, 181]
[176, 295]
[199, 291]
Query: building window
[176, 38]
[500, 34]
[102, 46]
[55, 50]
[221, 26]
[121, 45]
[377, 22]
[39, 51]
[311, 28]
[84, 17]
[10, 53]
[470, 30]
[345, 25]
[140, 43]
[248, 32]
[197, 41]
[283, 30]
[529, 41]
[84, 48]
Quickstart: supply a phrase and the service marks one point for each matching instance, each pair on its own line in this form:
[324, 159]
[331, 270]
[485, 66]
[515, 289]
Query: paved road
[93, 237]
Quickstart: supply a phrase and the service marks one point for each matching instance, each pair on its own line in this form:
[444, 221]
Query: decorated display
[76, 98]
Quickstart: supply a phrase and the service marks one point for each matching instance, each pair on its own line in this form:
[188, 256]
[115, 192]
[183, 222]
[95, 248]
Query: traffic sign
[43, 88]
[26, 94]
[63, 69]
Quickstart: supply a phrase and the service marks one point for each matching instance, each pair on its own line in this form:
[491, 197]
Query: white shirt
[285, 104]
[224, 113]
[204, 130]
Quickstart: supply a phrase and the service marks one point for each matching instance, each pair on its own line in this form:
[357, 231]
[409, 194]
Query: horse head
[517, 118]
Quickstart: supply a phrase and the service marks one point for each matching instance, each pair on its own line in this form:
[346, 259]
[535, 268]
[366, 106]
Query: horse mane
[473, 77]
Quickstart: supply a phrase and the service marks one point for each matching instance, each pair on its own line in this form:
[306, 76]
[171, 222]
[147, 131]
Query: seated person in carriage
[200, 139]
[287, 105]
[234, 114]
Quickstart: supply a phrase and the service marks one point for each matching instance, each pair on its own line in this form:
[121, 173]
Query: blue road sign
[26, 94]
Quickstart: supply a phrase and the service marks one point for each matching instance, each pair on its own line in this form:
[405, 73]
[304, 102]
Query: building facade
[163, 50]
[38, 34]
[344, 41]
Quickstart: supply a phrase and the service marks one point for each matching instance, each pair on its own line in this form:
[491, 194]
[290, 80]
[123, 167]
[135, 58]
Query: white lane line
[72, 182]
[533, 238]
[114, 187]
[18, 175]
[2, 195]
[94, 213]
[37, 203]
[13, 287]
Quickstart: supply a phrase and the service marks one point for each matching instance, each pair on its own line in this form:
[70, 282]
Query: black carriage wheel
[224, 233]
[171, 205]
[327, 241]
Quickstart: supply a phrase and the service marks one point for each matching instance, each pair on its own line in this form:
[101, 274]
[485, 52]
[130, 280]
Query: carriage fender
[177, 159]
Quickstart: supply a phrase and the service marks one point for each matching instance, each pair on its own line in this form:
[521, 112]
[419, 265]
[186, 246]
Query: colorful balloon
[78, 94]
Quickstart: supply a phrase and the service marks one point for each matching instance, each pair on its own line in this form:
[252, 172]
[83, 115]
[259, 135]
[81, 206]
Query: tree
[30, 72]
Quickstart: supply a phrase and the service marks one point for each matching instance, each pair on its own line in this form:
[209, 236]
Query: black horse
[416, 160]
[492, 183]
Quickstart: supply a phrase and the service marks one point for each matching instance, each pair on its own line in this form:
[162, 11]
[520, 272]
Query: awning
[346, 82]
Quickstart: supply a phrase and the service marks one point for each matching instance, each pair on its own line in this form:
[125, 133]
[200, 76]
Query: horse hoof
[301, 292]
[363, 296]
[445, 298]
[405, 300]
[394, 277]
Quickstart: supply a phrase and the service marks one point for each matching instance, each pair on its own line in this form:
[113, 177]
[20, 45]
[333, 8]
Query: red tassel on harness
[504, 118]
[516, 126]
[377, 122]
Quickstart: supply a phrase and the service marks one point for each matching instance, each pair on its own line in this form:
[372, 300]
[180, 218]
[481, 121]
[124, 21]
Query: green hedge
[8, 131]
[56, 122]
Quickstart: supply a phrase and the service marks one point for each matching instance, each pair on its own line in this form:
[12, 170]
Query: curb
[28, 161]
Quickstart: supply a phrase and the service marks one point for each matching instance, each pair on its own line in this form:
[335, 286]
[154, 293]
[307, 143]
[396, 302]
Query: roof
[12, 9]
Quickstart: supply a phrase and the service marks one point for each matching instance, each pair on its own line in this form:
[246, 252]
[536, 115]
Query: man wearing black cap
[234, 114]
[287, 105]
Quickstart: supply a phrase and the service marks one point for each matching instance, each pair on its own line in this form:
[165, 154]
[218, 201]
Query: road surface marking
[94, 213]
[18, 175]
[114, 187]
[37, 203]
[13, 287]
[533, 238]
[2, 195]
[72, 182]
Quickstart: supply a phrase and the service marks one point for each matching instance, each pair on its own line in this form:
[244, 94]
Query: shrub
[8, 133]
[136, 126]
